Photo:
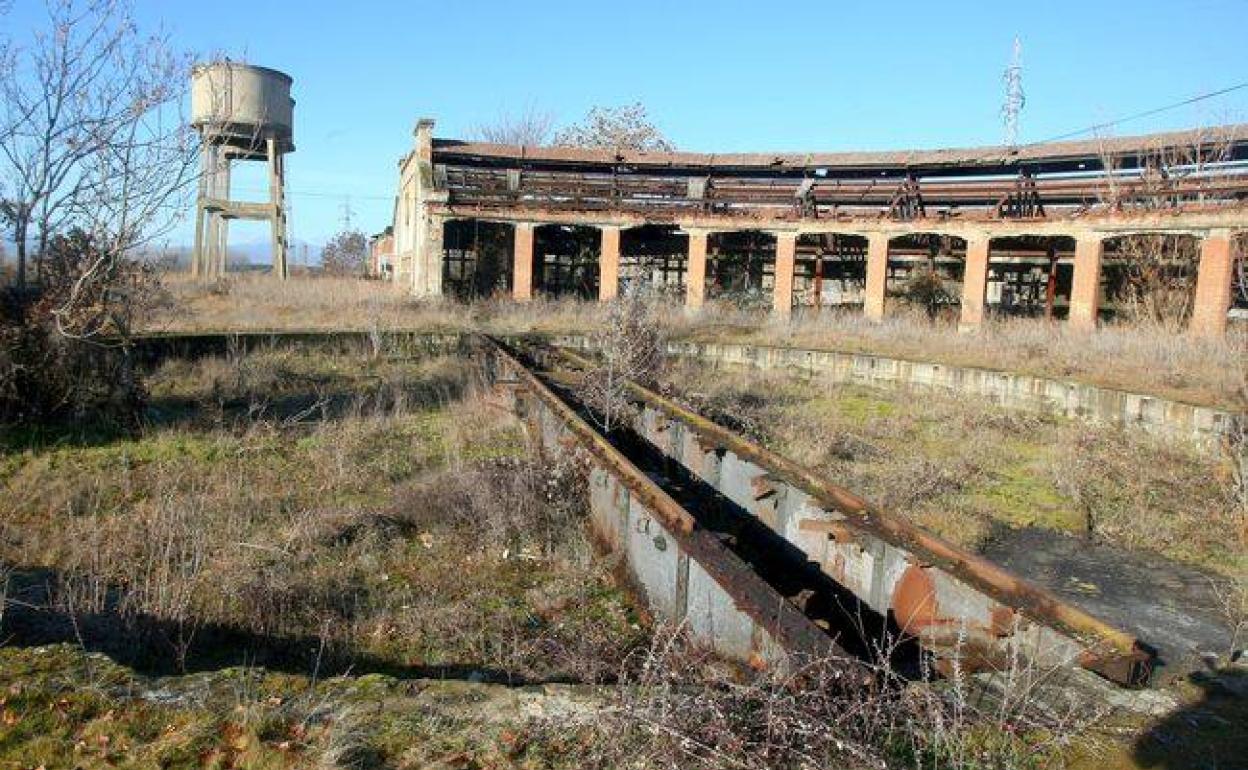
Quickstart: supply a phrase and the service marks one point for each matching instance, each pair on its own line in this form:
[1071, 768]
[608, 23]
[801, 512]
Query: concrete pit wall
[685, 576]
[940, 601]
[1206, 427]
[674, 585]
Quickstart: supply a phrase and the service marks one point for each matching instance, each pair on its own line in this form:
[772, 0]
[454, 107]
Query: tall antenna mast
[347, 214]
[1014, 96]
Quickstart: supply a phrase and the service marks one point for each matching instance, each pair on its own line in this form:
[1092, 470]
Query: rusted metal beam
[1110, 651]
[783, 621]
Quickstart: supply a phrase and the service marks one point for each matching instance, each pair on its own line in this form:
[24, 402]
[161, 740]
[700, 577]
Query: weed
[1143, 358]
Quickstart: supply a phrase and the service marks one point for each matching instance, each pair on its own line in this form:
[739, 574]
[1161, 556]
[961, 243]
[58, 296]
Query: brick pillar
[782, 290]
[522, 265]
[1213, 285]
[975, 282]
[609, 264]
[695, 274]
[877, 276]
[1085, 292]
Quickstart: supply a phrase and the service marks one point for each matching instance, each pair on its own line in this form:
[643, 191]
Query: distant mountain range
[253, 252]
[245, 253]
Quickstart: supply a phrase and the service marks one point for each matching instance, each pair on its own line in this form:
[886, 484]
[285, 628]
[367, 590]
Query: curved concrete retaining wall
[1202, 425]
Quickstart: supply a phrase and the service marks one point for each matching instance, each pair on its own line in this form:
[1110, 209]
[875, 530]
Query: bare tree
[1159, 271]
[1158, 278]
[98, 161]
[346, 253]
[630, 349]
[627, 127]
[1166, 174]
[531, 127]
[89, 131]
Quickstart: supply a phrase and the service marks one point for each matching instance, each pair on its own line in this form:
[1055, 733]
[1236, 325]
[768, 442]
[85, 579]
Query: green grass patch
[859, 406]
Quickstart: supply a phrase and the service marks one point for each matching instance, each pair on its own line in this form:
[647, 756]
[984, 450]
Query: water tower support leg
[197, 252]
[278, 214]
[223, 224]
[210, 224]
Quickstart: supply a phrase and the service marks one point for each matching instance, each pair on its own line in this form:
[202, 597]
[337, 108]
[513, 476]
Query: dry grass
[316, 511]
[66, 709]
[288, 515]
[959, 469]
[675, 711]
[1148, 359]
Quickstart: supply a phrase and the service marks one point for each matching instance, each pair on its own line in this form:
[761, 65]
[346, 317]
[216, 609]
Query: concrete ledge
[1204, 426]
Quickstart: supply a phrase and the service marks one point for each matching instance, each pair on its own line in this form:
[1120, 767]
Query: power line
[319, 194]
[1144, 114]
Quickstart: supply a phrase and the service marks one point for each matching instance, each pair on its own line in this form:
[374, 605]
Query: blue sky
[720, 76]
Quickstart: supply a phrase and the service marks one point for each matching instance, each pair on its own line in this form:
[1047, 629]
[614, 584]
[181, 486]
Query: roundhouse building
[1036, 229]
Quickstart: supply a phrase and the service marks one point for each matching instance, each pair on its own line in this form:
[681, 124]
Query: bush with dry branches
[530, 127]
[97, 159]
[678, 707]
[630, 348]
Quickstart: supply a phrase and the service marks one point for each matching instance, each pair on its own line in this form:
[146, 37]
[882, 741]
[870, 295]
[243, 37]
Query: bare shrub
[66, 355]
[629, 348]
[925, 288]
[1234, 597]
[675, 709]
[508, 504]
[346, 254]
[148, 567]
[1159, 280]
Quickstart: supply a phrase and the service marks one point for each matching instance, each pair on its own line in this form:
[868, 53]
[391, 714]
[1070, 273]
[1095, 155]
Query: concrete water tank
[234, 103]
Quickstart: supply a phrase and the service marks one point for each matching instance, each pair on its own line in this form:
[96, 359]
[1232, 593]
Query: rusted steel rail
[956, 603]
[699, 582]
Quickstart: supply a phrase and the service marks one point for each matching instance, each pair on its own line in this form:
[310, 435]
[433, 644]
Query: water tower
[241, 112]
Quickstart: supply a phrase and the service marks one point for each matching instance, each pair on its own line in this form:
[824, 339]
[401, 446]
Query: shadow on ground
[319, 401]
[1211, 732]
[157, 647]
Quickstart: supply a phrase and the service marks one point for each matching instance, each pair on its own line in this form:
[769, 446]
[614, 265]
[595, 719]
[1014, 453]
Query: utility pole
[1015, 99]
